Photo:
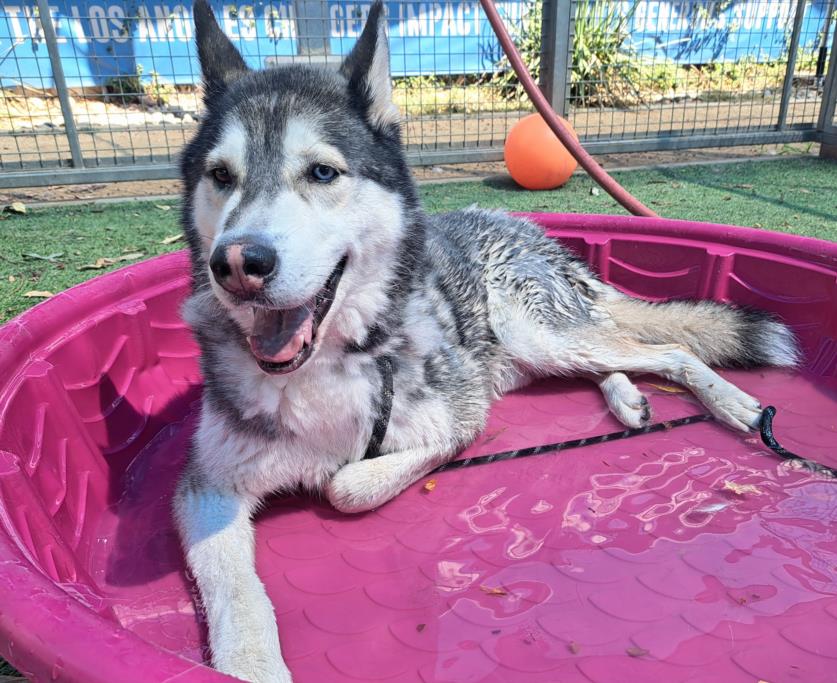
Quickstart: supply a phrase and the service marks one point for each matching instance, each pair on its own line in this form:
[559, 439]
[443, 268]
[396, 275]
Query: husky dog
[336, 319]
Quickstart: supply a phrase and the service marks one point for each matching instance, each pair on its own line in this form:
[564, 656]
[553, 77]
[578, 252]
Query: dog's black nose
[243, 268]
[259, 260]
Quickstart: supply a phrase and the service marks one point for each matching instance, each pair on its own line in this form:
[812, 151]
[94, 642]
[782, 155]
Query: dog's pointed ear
[220, 62]
[367, 69]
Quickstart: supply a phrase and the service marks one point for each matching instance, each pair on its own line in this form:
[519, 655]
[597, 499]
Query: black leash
[566, 445]
[766, 428]
[769, 441]
[379, 430]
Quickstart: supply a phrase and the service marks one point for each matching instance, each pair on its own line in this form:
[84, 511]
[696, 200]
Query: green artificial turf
[44, 249]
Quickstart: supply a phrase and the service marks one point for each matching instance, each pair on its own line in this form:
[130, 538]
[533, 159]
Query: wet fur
[469, 305]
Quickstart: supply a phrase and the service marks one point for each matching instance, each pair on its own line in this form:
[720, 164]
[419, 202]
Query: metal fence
[98, 90]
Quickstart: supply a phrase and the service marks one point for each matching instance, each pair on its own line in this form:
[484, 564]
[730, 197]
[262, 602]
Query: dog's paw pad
[736, 409]
[630, 406]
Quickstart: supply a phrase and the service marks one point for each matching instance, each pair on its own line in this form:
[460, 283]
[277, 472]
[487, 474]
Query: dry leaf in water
[636, 651]
[430, 485]
[172, 239]
[667, 389]
[38, 294]
[488, 590]
[420, 627]
[740, 489]
[574, 647]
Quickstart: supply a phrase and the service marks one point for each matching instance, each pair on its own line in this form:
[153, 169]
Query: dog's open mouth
[282, 340]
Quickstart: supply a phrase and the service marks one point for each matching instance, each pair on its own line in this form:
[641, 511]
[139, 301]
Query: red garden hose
[588, 163]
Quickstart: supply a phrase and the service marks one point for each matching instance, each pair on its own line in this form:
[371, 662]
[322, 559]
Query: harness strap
[379, 429]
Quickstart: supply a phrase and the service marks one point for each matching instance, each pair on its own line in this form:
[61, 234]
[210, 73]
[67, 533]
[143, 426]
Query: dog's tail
[718, 334]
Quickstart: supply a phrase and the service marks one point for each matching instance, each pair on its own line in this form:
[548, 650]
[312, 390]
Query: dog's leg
[625, 401]
[725, 401]
[367, 484]
[217, 536]
[593, 349]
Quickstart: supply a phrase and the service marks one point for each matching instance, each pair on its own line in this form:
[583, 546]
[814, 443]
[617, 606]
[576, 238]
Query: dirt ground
[132, 135]
[432, 174]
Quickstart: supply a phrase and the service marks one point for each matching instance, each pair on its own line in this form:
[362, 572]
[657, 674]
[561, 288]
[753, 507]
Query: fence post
[826, 128]
[45, 18]
[556, 41]
[799, 15]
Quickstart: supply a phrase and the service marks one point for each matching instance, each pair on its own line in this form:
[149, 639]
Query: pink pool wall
[75, 368]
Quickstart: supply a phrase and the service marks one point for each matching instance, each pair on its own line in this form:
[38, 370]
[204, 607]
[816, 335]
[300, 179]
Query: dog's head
[297, 193]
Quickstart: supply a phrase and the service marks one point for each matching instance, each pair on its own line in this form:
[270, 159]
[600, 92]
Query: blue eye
[323, 174]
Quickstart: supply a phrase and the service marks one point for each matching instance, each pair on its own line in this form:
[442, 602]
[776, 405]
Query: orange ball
[535, 157]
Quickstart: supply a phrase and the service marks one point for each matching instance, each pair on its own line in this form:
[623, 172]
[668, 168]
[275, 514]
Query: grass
[44, 249]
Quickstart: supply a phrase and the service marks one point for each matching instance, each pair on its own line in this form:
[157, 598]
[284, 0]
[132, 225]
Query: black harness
[379, 428]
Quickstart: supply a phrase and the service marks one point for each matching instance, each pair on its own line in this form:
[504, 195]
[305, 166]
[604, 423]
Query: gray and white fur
[304, 167]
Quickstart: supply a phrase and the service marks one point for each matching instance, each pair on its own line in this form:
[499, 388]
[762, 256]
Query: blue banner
[100, 41]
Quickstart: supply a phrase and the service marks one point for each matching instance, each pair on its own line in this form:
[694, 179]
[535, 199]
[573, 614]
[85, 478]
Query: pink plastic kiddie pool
[692, 554]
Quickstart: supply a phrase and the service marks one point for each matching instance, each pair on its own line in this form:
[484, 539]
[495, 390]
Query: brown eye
[222, 176]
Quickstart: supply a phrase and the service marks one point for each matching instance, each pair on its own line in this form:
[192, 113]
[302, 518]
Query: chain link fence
[99, 90]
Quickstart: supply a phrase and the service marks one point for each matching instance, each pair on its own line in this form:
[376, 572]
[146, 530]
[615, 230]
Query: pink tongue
[279, 335]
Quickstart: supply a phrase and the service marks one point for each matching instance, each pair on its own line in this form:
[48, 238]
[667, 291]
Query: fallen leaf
[162, 207]
[667, 389]
[100, 263]
[38, 294]
[496, 632]
[804, 191]
[488, 590]
[740, 489]
[171, 239]
[574, 647]
[744, 186]
[15, 207]
[104, 262]
[39, 257]
[636, 651]
[420, 627]
[12, 278]
[595, 191]
[430, 485]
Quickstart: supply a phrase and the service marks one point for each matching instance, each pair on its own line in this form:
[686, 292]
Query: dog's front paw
[245, 642]
[358, 487]
[733, 407]
[252, 661]
[626, 402]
